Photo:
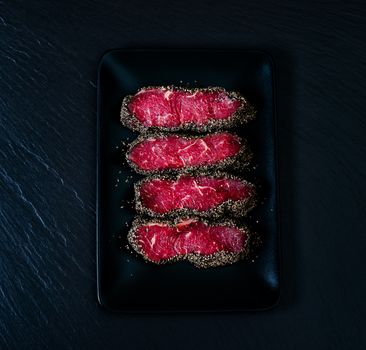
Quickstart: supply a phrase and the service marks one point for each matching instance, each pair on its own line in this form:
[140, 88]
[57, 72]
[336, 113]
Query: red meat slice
[172, 108]
[203, 195]
[169, 152]
[199, 242]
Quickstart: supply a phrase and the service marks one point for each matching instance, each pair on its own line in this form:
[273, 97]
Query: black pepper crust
[221, 258]
[230, 207]
[242, 115]
[238, 162]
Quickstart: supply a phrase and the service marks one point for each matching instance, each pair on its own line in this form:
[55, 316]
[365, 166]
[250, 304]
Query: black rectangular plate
[125, 281]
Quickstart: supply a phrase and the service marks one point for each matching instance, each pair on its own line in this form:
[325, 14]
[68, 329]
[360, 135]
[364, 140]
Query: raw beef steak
[172, 108]
[202, 195]
[199, 242]
[173, 152]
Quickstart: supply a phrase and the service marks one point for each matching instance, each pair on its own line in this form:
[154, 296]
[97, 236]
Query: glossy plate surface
[125, 281]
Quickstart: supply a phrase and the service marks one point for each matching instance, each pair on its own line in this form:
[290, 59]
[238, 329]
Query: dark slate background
[49, 52]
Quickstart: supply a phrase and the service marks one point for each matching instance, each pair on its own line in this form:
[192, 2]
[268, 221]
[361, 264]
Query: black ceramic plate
[125, 281]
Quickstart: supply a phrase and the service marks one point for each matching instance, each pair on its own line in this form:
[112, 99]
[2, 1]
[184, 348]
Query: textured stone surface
[49, 52]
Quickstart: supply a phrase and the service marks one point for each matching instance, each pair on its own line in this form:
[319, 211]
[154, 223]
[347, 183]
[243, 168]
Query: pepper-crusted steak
[199, 242]
[203, 195]
[173, 152]
[173, 108]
